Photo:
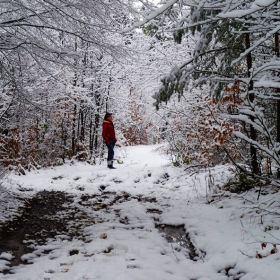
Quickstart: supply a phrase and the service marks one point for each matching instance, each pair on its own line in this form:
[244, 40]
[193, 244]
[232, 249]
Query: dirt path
[51, 213]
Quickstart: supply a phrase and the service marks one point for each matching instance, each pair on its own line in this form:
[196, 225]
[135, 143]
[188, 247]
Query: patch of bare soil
[37, 222]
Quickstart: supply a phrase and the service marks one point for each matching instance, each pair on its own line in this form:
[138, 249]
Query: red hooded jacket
[108, 132]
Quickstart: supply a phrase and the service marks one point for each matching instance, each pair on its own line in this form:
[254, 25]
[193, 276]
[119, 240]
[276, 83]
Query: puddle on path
[177, 234]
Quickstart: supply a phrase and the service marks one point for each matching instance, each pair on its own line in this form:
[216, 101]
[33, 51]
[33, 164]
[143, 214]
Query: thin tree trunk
[90, 136]
[253, 132]
[74, 129]
[82, 134]
[97, 120]
[64, 137]
[276, 38]
[73, 144]
[108, 92]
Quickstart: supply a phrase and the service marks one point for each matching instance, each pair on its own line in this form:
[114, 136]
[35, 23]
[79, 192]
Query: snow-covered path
[123, 240]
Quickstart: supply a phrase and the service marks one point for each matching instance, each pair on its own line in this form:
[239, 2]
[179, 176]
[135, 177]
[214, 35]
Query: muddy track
[37, 223]
[52, 213]
[48, 214]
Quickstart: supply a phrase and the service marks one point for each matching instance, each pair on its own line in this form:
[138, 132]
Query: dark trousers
[111, 153]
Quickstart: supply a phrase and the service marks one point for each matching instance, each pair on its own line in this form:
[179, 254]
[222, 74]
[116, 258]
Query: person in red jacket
[109, 136]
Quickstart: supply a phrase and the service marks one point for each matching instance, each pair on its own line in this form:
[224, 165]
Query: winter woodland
[202, 77]
[210, 69]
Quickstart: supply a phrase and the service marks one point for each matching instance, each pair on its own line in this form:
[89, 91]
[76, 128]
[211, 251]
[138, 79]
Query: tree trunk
[90, 136]
[276, 38]
[73, 144]
[96, 123]
[253, 132]
[82, 119]
[74, 129]
[96, 127]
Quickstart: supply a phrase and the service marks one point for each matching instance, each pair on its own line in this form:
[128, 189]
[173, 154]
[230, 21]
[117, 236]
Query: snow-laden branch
[258, 43]
[151, 15]
[257, 5]
[267, 84]
[268, 151]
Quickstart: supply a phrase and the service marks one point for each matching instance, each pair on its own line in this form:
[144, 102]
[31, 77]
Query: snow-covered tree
[236, 44]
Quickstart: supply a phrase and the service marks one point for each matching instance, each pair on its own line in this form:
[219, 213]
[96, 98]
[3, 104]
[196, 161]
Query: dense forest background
[200, 75]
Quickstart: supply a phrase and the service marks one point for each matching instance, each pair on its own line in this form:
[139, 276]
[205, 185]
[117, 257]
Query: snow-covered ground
[227, 231]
